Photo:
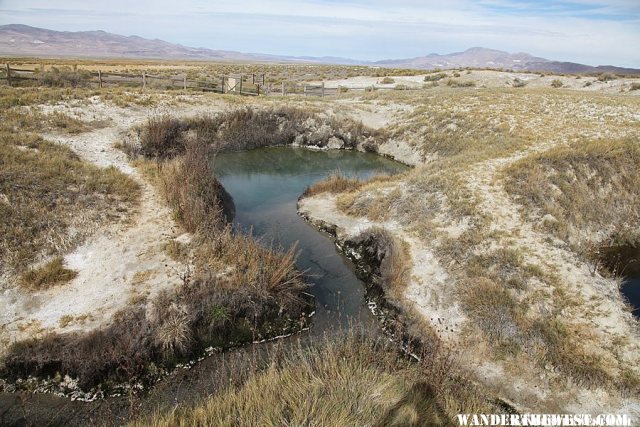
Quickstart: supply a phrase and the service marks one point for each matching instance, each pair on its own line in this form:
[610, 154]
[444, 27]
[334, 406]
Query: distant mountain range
[23, 40]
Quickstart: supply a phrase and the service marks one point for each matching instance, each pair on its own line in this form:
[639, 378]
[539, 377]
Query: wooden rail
[241, 84]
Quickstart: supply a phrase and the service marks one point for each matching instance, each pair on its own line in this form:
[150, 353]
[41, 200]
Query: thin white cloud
[588, 31]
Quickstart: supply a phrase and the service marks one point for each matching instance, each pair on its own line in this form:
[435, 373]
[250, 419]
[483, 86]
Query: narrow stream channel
[265, 185]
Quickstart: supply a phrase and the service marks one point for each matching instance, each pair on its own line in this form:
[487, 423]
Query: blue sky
[588, 31]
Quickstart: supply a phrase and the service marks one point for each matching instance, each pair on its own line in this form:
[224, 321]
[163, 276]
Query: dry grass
[349, 381]
[248, 128]
[192, 191]
[46, 191]
[337, 182]
[50, 274]
[587, 193]
[516, 304]
[25, 96]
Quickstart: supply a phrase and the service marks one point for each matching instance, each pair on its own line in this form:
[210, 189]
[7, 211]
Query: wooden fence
[241, 84]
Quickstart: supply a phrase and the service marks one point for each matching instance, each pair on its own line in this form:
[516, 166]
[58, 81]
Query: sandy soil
[492, 79]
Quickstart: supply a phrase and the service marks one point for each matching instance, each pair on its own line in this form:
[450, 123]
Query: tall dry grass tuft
[192, 191]
[351, 380]
[161, 138]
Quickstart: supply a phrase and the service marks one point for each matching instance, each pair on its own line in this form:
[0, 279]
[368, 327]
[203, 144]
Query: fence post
[241, 78]
[222, 87]
[184, 82]
[144, 81]
[283, 88]
[323, 89]
[304, 90]
[8, 75]
[253, 78]
[99, 79]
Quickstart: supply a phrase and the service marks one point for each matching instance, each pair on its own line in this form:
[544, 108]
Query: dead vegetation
[349, 381]
[517, 304]
[337, 182]
[248, 128]
[46, 191]
[47, 275]
[587, 193]
[233, 291]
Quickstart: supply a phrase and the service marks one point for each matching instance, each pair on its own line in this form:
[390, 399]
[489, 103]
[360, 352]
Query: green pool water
[265, 185]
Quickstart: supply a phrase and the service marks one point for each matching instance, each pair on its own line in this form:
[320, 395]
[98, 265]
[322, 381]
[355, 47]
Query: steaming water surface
[265, 185]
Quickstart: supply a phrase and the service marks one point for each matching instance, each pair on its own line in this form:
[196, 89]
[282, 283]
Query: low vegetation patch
[349, 381]
[339, 183]
[557, 83]
[586, 193]
[606, 77]
[48, 275]
[518, 83]
[63, 77]
[435, 77]
[458, 83]
[46, 191]
[248, 128]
